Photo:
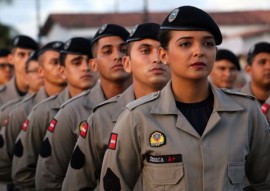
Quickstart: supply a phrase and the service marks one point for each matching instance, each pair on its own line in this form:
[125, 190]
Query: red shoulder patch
[5, 122]
[113, 141]
[25, 125]
[83, 129]
[52, 125]
[264, 108]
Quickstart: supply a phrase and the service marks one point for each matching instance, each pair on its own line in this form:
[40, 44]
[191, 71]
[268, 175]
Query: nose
[155, 57]
[198, 50]
[85, 65]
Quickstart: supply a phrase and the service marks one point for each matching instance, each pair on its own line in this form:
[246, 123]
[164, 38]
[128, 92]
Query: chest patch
[83, 129]
[52, 125]
[25, 125]
[164, 159]
[157, 139]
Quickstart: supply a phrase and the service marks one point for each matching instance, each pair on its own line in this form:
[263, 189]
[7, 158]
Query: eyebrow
[190, 37]
[77, 58]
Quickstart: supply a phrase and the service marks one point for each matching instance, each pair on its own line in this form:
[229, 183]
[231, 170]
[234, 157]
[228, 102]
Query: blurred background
[242, 22]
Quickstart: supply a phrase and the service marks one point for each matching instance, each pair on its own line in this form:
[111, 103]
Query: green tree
[6, 33]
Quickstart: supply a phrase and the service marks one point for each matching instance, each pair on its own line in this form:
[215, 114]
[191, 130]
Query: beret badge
[173, 15]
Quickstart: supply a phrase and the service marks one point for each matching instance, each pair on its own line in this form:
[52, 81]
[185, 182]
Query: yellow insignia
[157, 139]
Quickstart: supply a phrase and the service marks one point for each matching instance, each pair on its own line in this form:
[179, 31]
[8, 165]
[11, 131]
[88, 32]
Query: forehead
[224, 63]
[191, 34]
[262, 55]
[147, 41]
[110, 41]
[22, 50]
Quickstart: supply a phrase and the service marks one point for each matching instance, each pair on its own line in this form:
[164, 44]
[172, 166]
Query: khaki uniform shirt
[61, 138]
[85, 166]
[24, 167]
[154, 138]
[15, 123]
[8, 92]
[264, 107]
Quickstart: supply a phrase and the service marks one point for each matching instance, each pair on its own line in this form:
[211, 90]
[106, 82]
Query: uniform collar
[95, 96]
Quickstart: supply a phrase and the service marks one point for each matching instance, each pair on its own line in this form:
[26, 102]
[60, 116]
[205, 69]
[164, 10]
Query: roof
[95, 20]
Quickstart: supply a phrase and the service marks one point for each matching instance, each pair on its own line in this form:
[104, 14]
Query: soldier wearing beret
[22, 47]
[149, 75]
[74, 59]
[6, 68]
[108, 48]
[225, 69]
[258, 68]
[190, 135]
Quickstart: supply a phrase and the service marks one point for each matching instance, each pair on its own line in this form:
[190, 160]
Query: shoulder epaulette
[45, 100]
[237, 93]
[143, 100]
[86, 92]
[111, 100]
[27, 98]
[9, 103]
[2, 88]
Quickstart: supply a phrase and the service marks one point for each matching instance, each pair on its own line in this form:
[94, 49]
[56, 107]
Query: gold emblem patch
[157, 139]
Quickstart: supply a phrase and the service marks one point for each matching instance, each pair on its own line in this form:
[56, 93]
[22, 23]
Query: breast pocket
[236, 175]
[164, 177]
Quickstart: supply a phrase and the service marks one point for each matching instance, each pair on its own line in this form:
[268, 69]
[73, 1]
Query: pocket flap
[236, 172]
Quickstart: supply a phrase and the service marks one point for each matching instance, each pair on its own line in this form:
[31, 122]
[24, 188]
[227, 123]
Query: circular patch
[16, 41]
[45, 149]
[133, 30]
[67, 44]
[18, 148]
[102, 28]
[173, 15]
[77, 159]
[56, 45]
[157, 139]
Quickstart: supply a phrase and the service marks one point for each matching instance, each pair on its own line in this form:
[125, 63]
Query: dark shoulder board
[143, 100]
[237, 93]
[86, 92]
[109, 101]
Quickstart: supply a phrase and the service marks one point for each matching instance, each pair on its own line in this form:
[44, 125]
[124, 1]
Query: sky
[22, 14]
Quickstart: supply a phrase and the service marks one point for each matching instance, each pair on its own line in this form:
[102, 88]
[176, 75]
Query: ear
[126, 64]
[93, 65]
[163, 55]
[248, 69]
[41, 71]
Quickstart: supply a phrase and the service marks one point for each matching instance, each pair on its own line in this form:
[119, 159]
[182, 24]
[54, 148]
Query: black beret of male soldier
[22, 41]
[55, 45]
[143, 31]
[191, 18]
[33, 56]
[77, 45]
[111, 30]
[224, 54]
[4, 52]
[259, 47]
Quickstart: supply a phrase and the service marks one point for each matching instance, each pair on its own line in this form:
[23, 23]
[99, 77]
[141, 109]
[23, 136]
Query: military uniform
[9, 92]
[264, 107]
[61, 137]
[31, 138]
[154, 138]
[85, 166]
[16, 122]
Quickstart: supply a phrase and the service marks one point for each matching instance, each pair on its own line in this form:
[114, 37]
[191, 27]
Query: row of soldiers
[47, 139]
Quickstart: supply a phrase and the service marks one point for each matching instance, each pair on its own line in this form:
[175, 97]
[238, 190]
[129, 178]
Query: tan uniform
[153, 137]
[61, 137]
[8, 92]
[264, 107]
[16, 121]
[24, 167]
[85, 166]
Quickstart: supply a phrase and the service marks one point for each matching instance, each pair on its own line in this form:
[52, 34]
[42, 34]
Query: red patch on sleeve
[52, 125]
[113, 141]
[83, 129]
[25, 125]
[264, 108]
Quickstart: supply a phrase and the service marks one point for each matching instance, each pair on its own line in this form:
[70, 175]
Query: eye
[185, 44]
[123, 49]
[145, 51]
[209, 43]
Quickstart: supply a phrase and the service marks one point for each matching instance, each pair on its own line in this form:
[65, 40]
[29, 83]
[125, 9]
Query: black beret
[191, 18]
[22, 41]
[224, 54]
[77, 45]
[4, 52]
[256, 49]
[55, 45]
[111, 30]
[143, 31]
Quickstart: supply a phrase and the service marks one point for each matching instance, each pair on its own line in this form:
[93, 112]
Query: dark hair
[128, 46]
[62, 58]
[164, 37]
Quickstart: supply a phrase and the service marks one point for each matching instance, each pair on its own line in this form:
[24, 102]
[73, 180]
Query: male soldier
[75, 61]
[258, 68]
[149, 75]
[22, 46]
[225, 69]
[35, 82]
[108, 48]
[6, 69]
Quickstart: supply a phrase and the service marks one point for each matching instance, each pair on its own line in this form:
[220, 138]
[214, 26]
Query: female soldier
[189, 136]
